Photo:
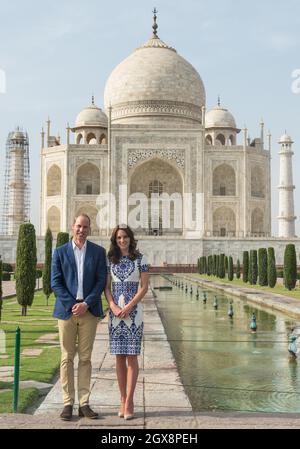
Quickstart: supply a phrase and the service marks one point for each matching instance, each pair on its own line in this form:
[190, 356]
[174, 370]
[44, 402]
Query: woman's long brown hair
[114, 254]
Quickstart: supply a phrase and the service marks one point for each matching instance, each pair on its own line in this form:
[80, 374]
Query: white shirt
[79, 259]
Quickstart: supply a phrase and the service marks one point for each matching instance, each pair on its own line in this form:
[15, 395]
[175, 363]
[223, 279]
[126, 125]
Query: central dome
[152, 82]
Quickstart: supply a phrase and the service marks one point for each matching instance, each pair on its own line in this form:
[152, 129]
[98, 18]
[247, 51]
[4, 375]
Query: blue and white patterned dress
[125, 335]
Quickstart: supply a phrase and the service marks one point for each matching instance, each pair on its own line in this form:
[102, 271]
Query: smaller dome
[219, 117]
[91, 116]
[285, 139]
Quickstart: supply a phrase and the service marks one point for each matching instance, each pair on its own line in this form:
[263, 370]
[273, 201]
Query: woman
[127, 284]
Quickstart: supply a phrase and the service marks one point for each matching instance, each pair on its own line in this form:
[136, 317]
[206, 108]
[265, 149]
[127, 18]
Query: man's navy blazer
[64, 280]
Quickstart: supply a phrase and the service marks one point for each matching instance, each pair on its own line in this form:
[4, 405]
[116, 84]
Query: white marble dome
[155, 81]
[91, 116]
[219, 117]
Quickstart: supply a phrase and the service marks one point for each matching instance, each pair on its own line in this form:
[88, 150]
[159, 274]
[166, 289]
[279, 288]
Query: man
[78, 278]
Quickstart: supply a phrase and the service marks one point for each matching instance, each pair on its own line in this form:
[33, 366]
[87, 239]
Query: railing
[17, 370]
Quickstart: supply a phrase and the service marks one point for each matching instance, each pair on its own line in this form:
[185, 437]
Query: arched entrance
[160, 187]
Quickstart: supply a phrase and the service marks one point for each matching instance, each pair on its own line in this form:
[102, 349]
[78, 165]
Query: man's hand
[79, 309]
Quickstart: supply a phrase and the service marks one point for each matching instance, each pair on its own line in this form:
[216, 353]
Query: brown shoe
[66, 414]
[87, 412]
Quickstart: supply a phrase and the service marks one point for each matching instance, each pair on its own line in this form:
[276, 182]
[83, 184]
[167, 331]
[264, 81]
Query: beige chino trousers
[77, 333]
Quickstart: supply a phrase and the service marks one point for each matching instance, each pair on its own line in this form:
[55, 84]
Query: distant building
[16, 201]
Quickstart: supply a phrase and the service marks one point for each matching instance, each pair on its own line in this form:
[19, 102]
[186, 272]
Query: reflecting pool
[222, 364]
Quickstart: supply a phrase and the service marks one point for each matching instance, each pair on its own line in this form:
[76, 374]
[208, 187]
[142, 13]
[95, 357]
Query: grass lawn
[26, 398]
[42, 368]
[279, 289]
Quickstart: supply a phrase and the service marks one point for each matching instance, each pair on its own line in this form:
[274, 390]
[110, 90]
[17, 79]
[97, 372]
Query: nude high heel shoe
[128, 416]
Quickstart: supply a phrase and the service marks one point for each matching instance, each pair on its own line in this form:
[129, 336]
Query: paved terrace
[160, 400]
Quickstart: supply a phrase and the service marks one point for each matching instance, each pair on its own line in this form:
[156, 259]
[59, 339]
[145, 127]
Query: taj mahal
[155, 136]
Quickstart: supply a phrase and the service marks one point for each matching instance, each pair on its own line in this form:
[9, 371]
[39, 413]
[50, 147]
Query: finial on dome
[155, 26]
[93, 100]
[219, 100]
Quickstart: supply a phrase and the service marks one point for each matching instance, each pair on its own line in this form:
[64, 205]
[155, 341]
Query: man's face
[81, 228]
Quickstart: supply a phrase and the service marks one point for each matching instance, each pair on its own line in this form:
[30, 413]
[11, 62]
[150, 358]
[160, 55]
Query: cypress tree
[272, 273]
[226, 264]
[245, 266]
[253, 269]
[47, 265]
[204, 265]
[250, 269]
[209, 265]
[218, 266]
[1, 292]
[215, 265]
[238, 269]
[290, 267]
[26, 266]
[262, 267]
[230, 269]
[222, 266]
[62, 238]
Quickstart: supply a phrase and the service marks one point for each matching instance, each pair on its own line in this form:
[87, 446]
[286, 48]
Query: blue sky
[56, 54]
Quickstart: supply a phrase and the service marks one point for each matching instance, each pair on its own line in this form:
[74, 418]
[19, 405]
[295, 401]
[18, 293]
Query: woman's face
[123, 241]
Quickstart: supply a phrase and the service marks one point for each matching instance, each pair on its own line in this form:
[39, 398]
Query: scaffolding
[16, 198]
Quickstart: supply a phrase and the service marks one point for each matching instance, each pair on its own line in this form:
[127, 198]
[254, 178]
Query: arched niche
[224, 222]
[88, 180]
[54, 181]
[224, 181]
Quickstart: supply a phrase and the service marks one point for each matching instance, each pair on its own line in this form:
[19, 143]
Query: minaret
[16, 206]
[286, 189]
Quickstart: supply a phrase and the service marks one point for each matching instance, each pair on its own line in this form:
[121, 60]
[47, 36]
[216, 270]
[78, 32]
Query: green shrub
[263, 267]
[47, 265]
[238, 269]
[38, 274]
[26, 266]
[222, 266]
[253, 268]
[245, 266]
[215, 265]
[290, 267]
[230, 269]
[272, 275]
[5, 276]
[62, 238]
[7, 267]
[226, 264]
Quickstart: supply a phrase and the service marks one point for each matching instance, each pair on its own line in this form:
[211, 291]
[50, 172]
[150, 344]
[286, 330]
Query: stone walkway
[9, 288]
[160, 400]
